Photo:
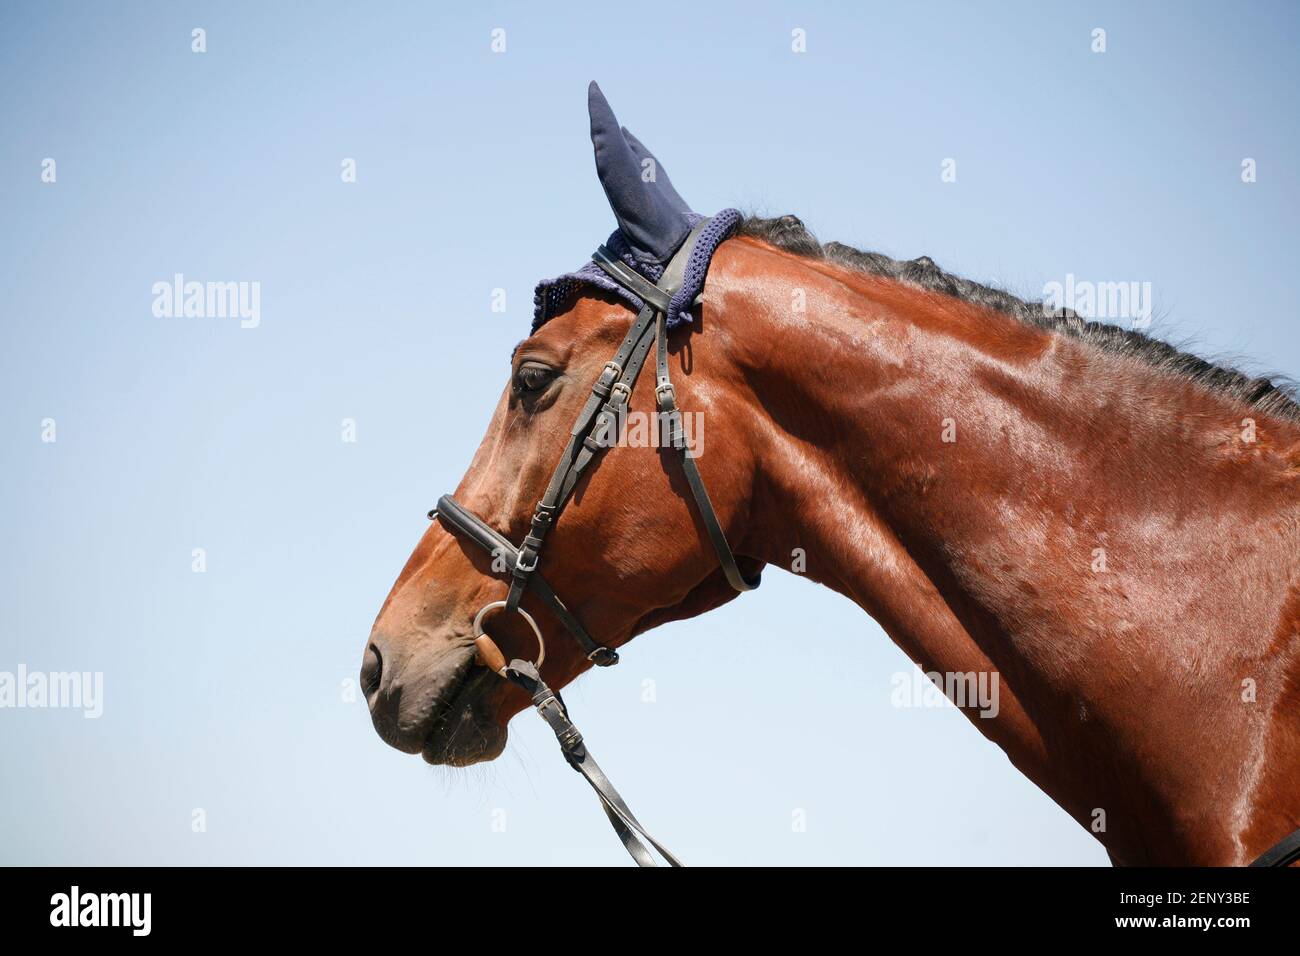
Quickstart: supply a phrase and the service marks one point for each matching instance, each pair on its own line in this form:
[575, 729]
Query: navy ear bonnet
[653, 222]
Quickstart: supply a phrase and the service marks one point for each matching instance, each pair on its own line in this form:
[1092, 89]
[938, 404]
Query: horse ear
[661, 174]
[650, 217]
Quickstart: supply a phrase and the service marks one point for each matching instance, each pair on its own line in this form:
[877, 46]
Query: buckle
[620, 393]
[603, 657]
[612, 366]
[526, 568]
[665, 388]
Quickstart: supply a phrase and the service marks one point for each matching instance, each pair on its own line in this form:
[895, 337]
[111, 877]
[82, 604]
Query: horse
[1108, 524]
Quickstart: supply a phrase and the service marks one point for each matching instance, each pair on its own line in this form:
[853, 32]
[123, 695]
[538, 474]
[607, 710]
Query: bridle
[588, 437]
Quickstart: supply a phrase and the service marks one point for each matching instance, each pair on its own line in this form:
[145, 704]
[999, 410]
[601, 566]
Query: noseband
[587, 438]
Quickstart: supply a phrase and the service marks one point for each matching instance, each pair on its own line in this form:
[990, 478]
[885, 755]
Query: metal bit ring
[498, 605]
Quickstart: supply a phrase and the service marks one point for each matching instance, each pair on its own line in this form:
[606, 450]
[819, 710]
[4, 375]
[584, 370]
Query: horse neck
[1004, 500]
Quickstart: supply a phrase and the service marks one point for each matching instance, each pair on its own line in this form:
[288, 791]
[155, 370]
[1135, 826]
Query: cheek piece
[591, 433]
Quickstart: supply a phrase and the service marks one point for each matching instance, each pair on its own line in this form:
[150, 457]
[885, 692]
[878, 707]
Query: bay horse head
[630, 552]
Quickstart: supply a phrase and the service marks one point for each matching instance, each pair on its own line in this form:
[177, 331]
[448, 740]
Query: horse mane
[1264, 393]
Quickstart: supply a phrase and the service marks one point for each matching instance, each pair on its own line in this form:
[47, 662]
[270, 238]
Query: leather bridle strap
[591, 432]
[666, 399]
[657, 297]
[595, 429]
[551, 706]
[450, 513]
[1283, 853]
[666, 396]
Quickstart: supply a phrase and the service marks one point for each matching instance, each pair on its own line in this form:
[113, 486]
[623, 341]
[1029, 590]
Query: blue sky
[224, 691]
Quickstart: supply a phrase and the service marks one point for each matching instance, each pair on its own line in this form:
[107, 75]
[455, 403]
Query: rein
[587, 438]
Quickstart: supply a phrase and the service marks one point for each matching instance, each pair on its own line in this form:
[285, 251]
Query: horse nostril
[372, 668]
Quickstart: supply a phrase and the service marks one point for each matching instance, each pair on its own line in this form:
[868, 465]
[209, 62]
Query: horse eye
[532, 378]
